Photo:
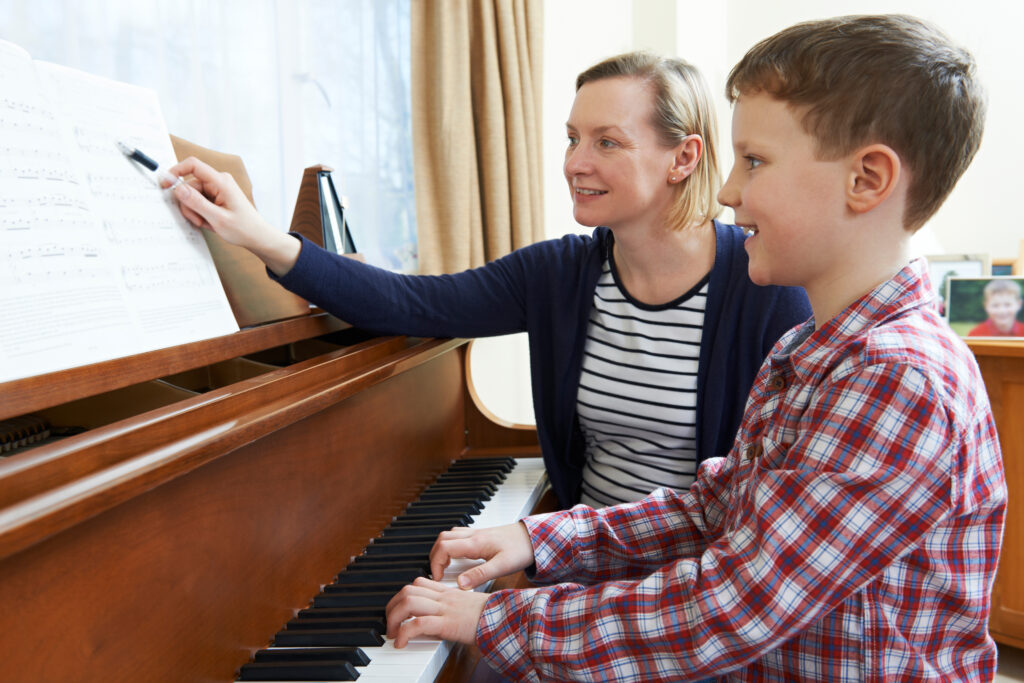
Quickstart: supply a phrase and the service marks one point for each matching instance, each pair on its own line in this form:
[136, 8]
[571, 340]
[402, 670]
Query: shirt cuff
[555, 538]
[502, 634]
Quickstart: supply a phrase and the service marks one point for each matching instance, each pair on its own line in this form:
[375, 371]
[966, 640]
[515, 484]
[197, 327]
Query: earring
[672, 178]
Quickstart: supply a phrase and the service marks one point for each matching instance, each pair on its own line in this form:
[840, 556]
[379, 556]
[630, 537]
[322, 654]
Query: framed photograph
[986, 306]
[944, 266]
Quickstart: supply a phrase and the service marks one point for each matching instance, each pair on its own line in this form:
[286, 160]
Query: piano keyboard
[340, 637]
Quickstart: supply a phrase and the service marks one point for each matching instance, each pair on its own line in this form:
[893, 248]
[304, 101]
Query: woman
[644, 337]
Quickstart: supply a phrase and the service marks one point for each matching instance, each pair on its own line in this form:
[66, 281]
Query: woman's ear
[875, 172]
[688, 153]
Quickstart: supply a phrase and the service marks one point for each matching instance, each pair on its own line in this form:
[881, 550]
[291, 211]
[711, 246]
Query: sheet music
[97, 261]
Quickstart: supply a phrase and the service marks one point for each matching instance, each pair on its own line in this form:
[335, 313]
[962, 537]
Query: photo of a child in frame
[986, 307]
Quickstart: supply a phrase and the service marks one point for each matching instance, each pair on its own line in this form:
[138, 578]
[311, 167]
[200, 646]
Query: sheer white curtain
[285, 84]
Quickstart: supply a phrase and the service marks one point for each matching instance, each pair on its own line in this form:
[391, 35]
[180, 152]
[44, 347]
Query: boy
[1002, 304]
[853, 531]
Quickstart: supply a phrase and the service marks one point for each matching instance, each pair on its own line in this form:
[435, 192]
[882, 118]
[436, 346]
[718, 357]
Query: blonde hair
[892, 79]
[682, 107]
[1001, 287]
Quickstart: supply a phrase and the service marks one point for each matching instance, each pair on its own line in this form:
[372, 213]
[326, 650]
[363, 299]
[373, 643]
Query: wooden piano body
[220, 484]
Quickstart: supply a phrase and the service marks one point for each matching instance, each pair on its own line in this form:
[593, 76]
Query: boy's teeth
[590, 191]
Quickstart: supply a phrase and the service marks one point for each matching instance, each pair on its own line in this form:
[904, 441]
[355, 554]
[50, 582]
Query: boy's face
[793, 202]
[1002, 308]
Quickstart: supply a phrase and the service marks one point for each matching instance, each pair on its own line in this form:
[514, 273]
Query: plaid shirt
[852, 533]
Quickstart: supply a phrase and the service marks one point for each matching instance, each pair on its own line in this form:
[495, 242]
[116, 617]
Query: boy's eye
[573, 140]
[752, 162]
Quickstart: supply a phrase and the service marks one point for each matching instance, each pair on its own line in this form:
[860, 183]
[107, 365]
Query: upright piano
[216, 486]
[190, 500]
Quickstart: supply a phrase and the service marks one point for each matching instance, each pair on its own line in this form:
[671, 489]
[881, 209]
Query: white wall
[714, 35]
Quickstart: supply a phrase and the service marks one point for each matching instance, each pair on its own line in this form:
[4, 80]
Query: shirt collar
[807, 350]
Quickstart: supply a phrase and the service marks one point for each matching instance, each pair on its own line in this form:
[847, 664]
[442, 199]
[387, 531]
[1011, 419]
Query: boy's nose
[729, 195]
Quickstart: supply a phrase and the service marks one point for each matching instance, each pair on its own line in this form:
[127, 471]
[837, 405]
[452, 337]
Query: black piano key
[412, 537]
[374, 574]
[368, 587]
[367, 611]
[298, 671]
[470, 507]
[399, 549]
[349, 637]
[472, 479]
[354, 655]
[354, 599]
[475, 464]
[397, 556]
[390, 562]
[427, 513]
[487, 489]
[424, 519]
[407, 531]
[379, 625]
[453, 494]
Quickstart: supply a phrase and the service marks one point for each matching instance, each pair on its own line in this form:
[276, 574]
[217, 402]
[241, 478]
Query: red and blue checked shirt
[852, 533]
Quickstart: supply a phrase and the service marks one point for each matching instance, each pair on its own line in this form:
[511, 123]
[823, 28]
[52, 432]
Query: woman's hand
[439, 611]
[212, 200]
[506, 549]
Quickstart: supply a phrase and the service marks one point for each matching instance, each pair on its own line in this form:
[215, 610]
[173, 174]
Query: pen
[148, 162]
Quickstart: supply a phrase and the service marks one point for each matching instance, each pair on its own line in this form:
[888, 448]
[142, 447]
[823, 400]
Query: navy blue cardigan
[547, 290]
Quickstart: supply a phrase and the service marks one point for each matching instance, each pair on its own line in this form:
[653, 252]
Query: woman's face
[618, 171]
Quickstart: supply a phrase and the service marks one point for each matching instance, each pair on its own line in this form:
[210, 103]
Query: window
[285, 84]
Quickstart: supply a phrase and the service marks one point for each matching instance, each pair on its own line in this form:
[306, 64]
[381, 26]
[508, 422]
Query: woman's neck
[657, 266]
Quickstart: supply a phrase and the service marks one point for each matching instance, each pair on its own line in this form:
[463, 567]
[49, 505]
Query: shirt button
[777, 383]
[754, 451]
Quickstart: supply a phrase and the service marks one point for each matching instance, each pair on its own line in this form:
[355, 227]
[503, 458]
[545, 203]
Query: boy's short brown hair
[890, 79]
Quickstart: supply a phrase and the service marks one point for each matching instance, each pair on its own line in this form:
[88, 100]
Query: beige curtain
[476, 105]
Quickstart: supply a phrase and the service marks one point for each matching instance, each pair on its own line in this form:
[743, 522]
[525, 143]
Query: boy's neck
[863, 268]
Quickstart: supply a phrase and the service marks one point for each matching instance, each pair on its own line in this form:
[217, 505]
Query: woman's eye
[573, 140]
[606, 144]
[752, 163]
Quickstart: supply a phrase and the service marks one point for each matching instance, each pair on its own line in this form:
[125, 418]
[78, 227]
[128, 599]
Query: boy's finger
[475, 576]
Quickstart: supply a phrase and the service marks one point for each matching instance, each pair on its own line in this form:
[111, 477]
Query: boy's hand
[439, 611]
[211, 199]
[506, 549]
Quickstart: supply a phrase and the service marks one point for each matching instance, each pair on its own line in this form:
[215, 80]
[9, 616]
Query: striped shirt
[637, 398]
[852, 533]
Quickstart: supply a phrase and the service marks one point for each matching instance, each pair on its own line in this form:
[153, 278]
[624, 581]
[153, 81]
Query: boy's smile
[832, 226]
[785, 198]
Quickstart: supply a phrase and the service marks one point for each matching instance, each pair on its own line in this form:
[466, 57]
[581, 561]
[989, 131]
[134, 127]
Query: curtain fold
[476, 120]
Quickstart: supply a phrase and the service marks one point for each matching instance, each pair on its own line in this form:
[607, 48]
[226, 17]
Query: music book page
[96, 261]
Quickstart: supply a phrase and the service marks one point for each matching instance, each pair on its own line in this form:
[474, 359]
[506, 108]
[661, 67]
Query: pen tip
[124, 148]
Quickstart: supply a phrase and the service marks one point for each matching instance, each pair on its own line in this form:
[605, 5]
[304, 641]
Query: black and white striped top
[638, 393]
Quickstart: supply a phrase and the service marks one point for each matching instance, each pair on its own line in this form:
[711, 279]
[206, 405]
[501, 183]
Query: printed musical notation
[97, 261]
[164, 275]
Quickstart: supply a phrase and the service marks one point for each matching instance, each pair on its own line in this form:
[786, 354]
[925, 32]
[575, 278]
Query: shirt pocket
[775, 447]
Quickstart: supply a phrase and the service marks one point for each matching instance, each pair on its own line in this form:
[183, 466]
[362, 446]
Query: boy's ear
[874, 174]
[688, 153]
